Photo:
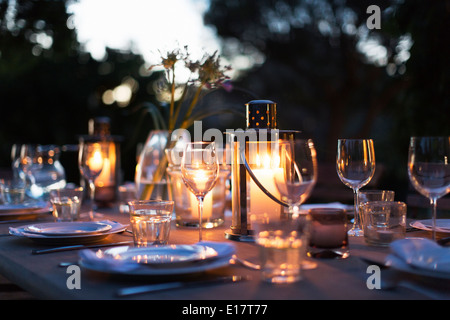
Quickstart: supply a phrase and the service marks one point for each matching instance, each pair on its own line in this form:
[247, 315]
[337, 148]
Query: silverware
[65, 264]
[78, 247]
[176, 285]
[372, 261]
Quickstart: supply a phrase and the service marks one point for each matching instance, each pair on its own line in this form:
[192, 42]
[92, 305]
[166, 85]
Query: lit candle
[96, 161]
[106, 177]
[260, 203]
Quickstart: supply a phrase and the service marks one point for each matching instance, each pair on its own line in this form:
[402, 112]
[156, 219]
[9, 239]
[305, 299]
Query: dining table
[46, 276]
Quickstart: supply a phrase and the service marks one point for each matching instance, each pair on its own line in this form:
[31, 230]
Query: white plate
[116, 227]
[102, 261]
[68, 228]
[167, 256]
[442, 225]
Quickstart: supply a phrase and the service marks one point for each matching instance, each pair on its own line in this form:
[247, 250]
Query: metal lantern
[254, 153]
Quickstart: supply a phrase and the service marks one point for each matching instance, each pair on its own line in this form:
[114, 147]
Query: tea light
[96, 162]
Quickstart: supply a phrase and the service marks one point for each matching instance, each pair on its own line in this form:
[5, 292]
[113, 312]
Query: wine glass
[429, 169]
[355, 164]
[297, 177]
[298, 173]
[199, 171]
[91, 157]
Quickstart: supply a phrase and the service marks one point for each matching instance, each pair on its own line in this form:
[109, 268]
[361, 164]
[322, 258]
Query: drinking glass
[199, 171]
[282, 246]
[355, 165]
[296, 177]
[298, 173]
[429, 169]
[91, 157]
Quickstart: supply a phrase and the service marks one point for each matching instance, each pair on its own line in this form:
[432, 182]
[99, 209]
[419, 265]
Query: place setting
[151, 225]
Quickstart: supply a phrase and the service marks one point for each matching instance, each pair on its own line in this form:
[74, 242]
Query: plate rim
[105, 228]
[86, 238]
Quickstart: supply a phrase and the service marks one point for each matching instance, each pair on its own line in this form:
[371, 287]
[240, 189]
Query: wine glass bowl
[298, 173]
[91, 158]
[199, 172]
[429, 169]
[355, 165]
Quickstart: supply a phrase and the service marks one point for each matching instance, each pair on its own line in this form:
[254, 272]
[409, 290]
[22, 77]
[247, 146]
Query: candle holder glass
[186, 203]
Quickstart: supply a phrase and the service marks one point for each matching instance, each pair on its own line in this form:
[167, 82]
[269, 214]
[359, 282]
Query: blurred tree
[50, 87]
[335, 78]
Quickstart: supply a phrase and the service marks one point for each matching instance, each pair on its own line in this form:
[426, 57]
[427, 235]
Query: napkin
[106, 263]
[421, 253]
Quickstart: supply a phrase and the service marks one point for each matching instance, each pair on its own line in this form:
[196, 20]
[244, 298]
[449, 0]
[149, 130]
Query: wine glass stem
[357, 218]
[433, 202]
[200, 217]
[91, 198]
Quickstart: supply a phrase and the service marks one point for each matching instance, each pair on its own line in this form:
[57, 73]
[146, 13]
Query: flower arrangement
[205, 75]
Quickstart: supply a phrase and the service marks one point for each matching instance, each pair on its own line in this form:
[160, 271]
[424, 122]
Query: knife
[151, 288]
[78, 247]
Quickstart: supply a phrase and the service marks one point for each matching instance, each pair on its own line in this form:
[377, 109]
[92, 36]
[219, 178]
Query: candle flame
[96, 162]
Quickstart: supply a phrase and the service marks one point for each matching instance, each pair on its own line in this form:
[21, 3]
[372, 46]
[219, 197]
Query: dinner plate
[68, 228]
[166, 256]
[442, 225]
[82, 238]
[102, 261]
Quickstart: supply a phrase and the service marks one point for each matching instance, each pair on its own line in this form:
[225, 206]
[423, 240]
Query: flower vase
[151, 177]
